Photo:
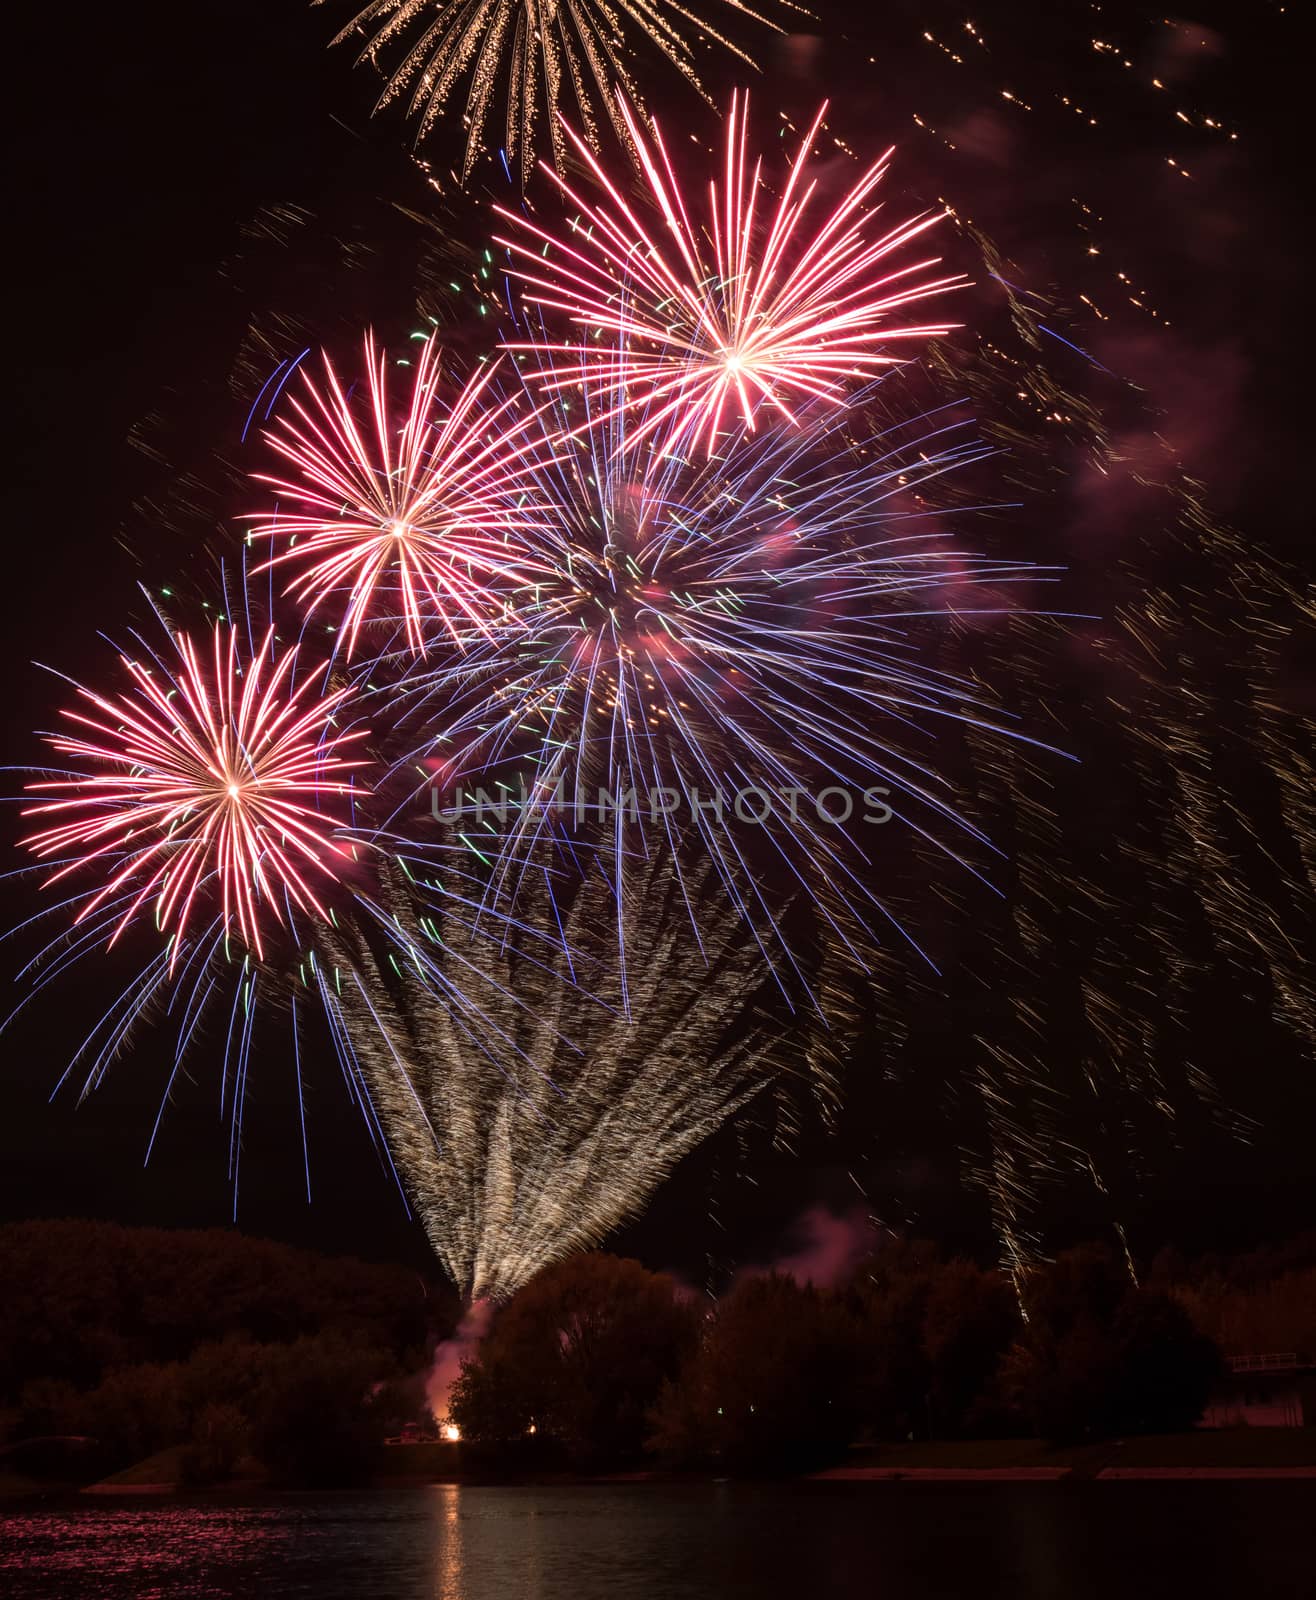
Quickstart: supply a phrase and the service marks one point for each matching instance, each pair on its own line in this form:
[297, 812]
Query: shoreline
[1242, 1455]
[159, 1493]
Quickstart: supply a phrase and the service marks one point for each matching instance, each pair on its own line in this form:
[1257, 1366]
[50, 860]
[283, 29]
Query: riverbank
[1241, 1453]
[1232, 1452]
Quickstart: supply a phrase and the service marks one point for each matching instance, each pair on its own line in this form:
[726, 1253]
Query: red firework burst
[202, 779]
[423, 515]
[753, 303]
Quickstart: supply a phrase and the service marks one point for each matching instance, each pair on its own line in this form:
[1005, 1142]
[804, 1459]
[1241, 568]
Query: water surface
[891, 1541]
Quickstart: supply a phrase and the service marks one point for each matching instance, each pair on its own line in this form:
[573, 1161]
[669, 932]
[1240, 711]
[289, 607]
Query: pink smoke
[448, 1357]
[824, 1249]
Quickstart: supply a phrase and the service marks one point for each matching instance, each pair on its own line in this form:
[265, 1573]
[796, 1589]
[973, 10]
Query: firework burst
[204, 781]
[752, 305]
[586, 1086]
[720, 639]
[420, 521]
[219, 791]
[540, 46]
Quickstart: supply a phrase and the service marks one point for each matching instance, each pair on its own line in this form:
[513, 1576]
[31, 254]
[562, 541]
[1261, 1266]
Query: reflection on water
[676, 1542]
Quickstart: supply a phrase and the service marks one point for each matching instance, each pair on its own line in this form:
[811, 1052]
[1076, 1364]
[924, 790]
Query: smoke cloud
[824, 1249]
[448, 1357]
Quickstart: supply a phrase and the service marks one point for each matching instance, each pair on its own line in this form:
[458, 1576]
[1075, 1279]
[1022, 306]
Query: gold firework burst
[543, 49]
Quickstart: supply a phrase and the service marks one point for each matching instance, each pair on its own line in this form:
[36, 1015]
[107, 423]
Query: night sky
[147, 138]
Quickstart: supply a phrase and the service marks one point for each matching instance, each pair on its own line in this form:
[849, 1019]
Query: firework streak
[207, 775]
[420, 521]
[706, 627]
[540, 48]
[517, 1156]
[751, 310]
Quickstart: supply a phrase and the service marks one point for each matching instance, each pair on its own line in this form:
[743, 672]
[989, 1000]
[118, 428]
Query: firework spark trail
[735, 623]
[426, 516]
[200, 789]
[538, 42]
[1201, 889]
[209, 774]
[1179, 887]
[749, 309]
[514, 1162]
[196, 979]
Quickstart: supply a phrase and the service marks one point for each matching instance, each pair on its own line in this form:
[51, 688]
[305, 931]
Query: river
[889, 1541]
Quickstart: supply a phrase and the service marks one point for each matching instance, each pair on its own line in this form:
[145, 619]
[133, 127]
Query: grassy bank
[1274, 1449]
[1237, 1447]
[1226, 1447]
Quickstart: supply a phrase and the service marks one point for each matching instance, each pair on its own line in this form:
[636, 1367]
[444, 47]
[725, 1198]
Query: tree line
[606, 1364]
[238, 1349]
[138, 1339]
[601, 1363]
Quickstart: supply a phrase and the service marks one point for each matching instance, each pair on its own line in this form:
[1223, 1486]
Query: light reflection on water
[674, 1542]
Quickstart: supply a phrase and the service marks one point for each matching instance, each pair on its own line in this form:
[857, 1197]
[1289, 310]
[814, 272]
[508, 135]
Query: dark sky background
[144, 135]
